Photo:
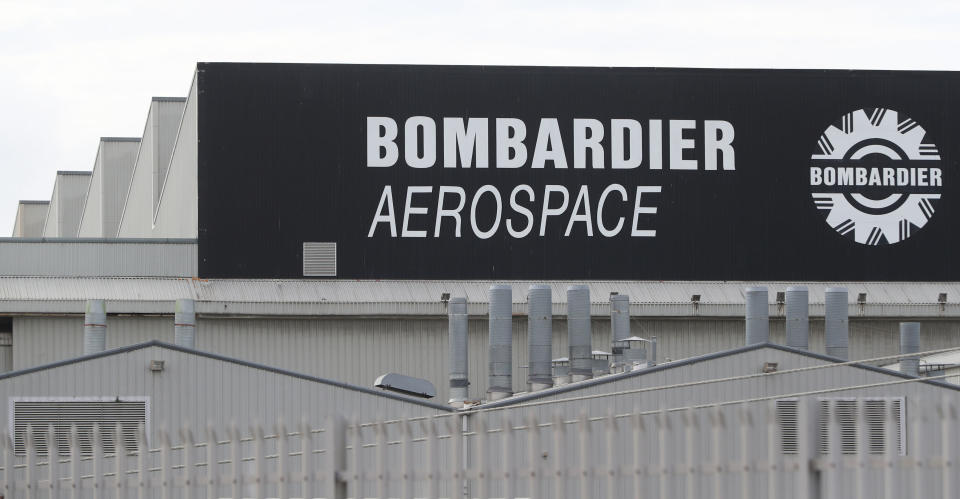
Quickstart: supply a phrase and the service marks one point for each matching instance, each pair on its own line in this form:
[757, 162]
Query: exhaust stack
[798, 317]
[837, 323]
[578, 332]
[910, 343]
[185, 324]
[95, 327]
[620, 327]
[758, 315]
[459, 382]
[540, 336]
[501, 342]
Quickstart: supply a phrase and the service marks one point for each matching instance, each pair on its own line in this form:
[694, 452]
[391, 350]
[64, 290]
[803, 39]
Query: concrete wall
[66, 204]
[109, 184]
[176, 214]
[156, 146]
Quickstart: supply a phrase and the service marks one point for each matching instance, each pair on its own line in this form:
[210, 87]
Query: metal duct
[798, 317]
[620, 326]
[501, 342]
[540, 336]
[185, 323]
[836, 318]
[652, 352]
[578, 332]
[459, 382]
[910, 343]
[95, 327]
[758, 315]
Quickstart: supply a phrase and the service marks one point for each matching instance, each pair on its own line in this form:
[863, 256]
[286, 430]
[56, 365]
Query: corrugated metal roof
[342, 297]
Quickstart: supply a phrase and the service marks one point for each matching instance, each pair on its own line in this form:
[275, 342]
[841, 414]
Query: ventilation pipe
[540, 336]
[758, 315]
[652, 352]
[185, 324]
[910, 343]
[620, 326]
[459, 382]
[836, 323]
[578, 332]
[798, 317]
[501, 342]
[95, 327]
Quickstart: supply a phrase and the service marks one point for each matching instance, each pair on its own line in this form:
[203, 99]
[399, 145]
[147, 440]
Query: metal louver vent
[63, 416]
[319, 259]
[875, 417]
[787, 418]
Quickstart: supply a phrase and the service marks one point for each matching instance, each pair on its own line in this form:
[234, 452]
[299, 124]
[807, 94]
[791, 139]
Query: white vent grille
[62, 416]
[319, 259]
[787, 419]
[845, 411]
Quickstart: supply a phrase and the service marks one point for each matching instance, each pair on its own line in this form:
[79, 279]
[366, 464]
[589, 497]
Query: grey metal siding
[78, 258]
[194, 390]
[176, 214]
[357, 350]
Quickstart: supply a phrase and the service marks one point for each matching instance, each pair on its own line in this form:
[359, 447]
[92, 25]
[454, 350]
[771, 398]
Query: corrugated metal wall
[195, 390]
[79, 258]
[66, 204]
[357, 350]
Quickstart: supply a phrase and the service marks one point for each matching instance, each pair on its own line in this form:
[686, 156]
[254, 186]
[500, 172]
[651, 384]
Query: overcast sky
[71, 72]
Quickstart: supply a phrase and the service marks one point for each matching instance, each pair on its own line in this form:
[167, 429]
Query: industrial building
[263, 250]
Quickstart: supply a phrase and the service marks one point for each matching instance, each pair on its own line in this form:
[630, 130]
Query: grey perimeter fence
[803, 447]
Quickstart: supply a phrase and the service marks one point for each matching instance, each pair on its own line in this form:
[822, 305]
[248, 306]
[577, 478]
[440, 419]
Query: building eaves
[213, 356]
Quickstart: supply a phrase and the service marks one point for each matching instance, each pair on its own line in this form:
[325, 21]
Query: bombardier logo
[875, 177]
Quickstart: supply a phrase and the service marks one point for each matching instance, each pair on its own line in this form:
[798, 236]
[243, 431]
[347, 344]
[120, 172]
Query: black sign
[452, 172]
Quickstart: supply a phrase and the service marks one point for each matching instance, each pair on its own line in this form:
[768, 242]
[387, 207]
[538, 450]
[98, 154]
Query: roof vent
[406, 385]
[319, 259]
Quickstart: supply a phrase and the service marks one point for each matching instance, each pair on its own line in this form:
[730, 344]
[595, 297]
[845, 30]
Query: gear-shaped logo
[874, 177]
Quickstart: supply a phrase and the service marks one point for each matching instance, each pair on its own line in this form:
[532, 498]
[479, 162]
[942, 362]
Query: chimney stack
[540, 336]
[798, 317]
[95, 327]
[501, 342]
[619, 326]
[578, 332]
[836, 323]
[758, 315]
[910, 343]
[185, 324]
[457, 320]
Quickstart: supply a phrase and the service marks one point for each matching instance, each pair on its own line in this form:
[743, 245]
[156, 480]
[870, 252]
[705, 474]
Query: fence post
[915, 449]
[773, 451]
[663, 429]
[560, 457]
[835, 455]
[716, 433]
[862, 457]
[306, 459]
[483, 462]
[236, 482]
[454, 426]
[213, 479]
[690, 422]
[613, 465]
[31, 455]
[429, 427]
[536, 458]
[336, 436]
[189, 464]
[119, 459]
[8, 460]
[807, 430]
[746, 431]
[283, 454]
[947, 417]
[143, 449]
[256, 431]
[890, 452]
[165, 471]
[75, 462]
[53, 468]
[408, 470]
[640, 468]
[586, 471]
[509, 473]
[359, 471]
